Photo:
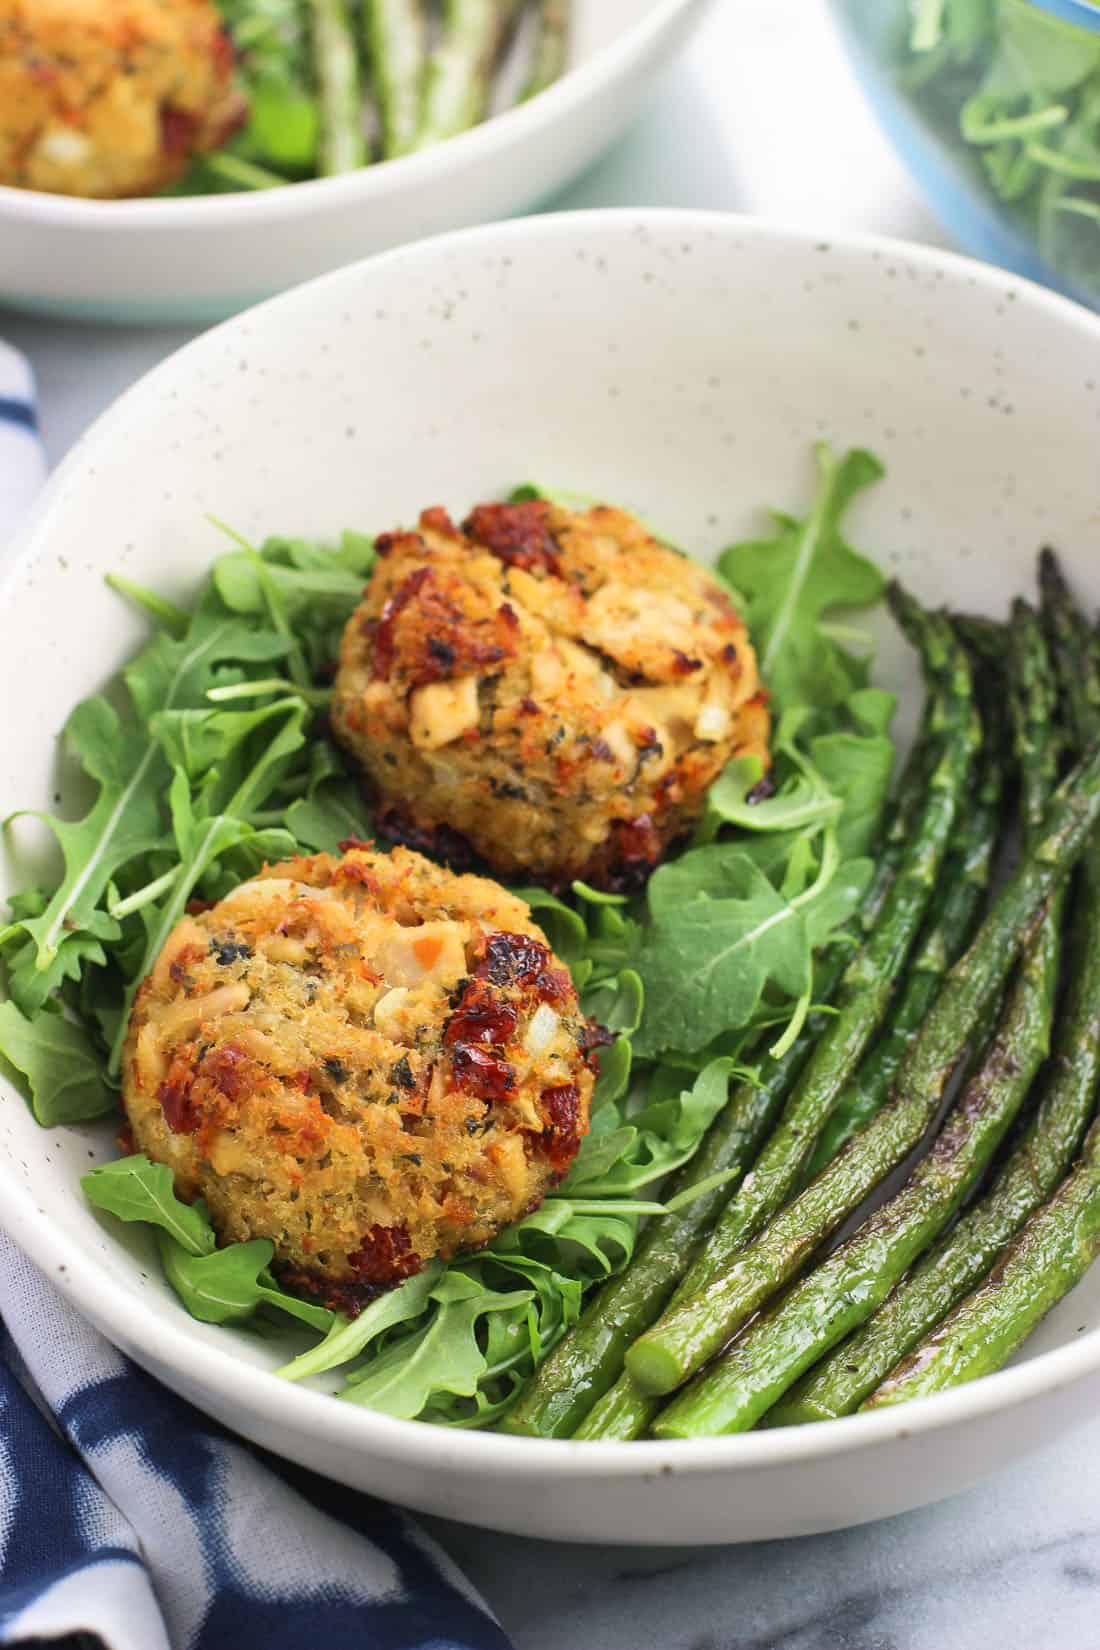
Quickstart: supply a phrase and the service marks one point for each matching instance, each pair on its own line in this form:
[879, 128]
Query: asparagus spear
[396, 32]
[844, 1290]
[1051, 1255]
[955, 910]
[962, 1259]
[460, 72]
[705, 1323]
[682, 1340]
[626, 1411]
[1071, 643]
[343, 147]
[909, 792]
[551, 52]
[843, 1293]
[587, 1361]
[839, 1384]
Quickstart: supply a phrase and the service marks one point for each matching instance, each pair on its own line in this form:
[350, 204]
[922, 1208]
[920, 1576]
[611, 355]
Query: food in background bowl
[115, 99]
[187, 256]
[127, 99]
[552, 690]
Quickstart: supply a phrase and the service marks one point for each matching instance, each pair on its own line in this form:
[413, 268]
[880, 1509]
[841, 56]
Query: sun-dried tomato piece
[175, 1093]
[483, 1017]
[434, 629]
[178, 130]
[488, 1076]
[231, 1071]
[592, 1038]
[518, 534]
[561, 1134]
[383, 646]
[520, 961]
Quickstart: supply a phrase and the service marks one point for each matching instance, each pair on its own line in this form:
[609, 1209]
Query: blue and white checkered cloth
[128, 1520]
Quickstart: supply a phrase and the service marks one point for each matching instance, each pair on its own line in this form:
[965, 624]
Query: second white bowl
[198, 258]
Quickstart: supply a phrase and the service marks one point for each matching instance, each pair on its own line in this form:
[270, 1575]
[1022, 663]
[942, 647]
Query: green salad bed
[209, 765]
[842, 967]
[335, 85]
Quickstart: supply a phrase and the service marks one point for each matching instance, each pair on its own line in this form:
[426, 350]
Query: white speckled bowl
[199, 258]
[678, 363]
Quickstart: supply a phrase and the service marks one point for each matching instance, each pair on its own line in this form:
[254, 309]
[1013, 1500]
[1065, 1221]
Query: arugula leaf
[272, 40]
[598, 1153]
[172, 674]
[514, 1340]
[616, 1002]
[615, 1163]
[1037, 55]
[614, 1074]
[163, 612]
[218, 747]
[32, 987]
[229, 1285]
[830, 768]
[333, 813]
[133, 1188]
[318, 590]
[202, 838]
[563, 926]
[805, 571]
[216, 1285]
[581, 1246]
[798, 804]
[613, 940]
[124, 822]
[241, 860]
[26, 902]
[346, 1340]
[855, 758]
[682, 1122]
[55, 1063]
[128, 766]
[706, 961]
[443, 1357]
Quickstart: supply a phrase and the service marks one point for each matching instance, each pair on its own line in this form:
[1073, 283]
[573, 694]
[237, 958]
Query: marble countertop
[759, 115]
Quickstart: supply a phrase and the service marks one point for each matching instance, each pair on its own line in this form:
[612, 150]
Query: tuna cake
[368, 1060]
[549, 692]
[111, 97]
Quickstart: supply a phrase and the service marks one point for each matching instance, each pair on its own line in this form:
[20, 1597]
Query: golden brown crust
[554, 690]
[367, 1059]
[111, 97]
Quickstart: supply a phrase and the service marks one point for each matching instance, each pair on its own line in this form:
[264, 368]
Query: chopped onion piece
[542, 1030]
